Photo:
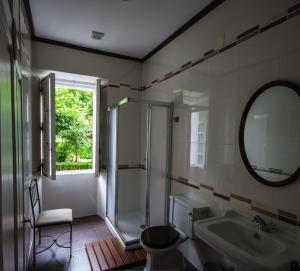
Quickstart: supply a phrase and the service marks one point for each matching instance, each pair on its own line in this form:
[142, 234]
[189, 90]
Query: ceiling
[131, 27]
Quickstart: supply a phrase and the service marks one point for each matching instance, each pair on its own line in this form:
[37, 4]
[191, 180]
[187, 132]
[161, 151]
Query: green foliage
[73, 165]
[74, 124]
[85, 153]
[63, 152]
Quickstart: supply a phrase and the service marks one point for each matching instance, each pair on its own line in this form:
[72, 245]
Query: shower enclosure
[139, 161]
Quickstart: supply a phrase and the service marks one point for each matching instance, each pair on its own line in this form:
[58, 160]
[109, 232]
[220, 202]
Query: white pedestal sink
[251, 249]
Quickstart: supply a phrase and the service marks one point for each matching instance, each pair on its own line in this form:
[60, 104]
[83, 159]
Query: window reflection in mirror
[198, 137]
[190, 134]
[270, 133]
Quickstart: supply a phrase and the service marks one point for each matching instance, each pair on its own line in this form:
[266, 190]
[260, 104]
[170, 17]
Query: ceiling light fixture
[97, 35]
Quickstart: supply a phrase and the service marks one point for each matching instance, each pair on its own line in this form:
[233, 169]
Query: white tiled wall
[226, 82]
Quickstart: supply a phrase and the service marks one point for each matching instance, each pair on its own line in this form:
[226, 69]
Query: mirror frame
[249, 104]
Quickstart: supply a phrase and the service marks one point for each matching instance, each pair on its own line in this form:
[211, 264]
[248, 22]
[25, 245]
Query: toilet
[161, 242]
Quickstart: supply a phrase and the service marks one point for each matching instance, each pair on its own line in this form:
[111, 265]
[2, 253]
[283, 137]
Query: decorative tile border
[281, 215]
[245, 200]
[185, 183]
[185, 66]
[272, 170]
[131, 87]
[288, 220]
[209, 54]
[247, 34]
[125, 85]
[263, 211]
[125, 166]
[221, 196]
[114, 86]
[287, 214]
[206, 187]
[129, 166]
[274, 23]
[294, 8]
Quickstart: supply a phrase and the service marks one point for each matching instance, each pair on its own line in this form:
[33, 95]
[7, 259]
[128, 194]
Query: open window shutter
[97, 130]
[48, 105]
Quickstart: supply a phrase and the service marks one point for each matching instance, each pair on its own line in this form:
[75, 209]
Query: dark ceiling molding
[86, 49]
[29, 17]
[210, 7]
[173, 36]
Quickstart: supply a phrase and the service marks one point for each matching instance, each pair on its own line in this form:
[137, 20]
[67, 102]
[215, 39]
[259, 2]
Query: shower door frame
[108, 163]
[150, 103]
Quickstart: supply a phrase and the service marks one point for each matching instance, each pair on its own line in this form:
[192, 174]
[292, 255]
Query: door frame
[18, 149]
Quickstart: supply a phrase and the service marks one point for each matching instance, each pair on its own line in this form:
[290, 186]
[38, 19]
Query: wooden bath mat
[110, 254]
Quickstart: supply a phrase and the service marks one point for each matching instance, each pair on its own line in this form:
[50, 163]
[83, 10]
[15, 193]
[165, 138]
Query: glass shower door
[138, 166]
[111, 198]
[158, 168]
[131, 191]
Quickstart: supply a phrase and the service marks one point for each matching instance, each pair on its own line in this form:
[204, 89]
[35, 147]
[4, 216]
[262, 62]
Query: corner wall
[48, 57]
[75, 191]
[188, 73]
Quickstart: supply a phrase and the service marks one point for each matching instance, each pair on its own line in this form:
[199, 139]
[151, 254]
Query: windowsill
[74, 172]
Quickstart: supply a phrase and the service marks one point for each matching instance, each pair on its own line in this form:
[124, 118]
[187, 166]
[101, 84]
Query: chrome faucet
[263, 225]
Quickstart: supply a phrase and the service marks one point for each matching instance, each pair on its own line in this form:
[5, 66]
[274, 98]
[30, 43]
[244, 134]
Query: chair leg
[33, 246]
[71, 234]
[40, 233]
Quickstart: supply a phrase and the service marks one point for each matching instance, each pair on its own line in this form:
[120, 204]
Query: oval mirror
[269, 135]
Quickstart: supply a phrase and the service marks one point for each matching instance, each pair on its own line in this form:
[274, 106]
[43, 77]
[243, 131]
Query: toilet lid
[159, 236]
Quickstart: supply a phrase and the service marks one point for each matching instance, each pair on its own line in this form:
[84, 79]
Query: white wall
[75, 191]
[101, 194]
[58, 58]
[225, 83]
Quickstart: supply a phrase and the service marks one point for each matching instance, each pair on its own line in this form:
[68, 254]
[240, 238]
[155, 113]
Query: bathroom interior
[194, 131]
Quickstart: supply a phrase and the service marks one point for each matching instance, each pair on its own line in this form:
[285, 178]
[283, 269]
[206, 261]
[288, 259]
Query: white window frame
[96, 89]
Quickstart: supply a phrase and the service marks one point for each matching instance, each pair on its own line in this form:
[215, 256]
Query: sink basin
[246, 239]
[234, 235]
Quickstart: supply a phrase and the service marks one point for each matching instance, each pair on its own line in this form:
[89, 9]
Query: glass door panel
[138, 167]
[112, 165]
[131, 193]
[158, 166]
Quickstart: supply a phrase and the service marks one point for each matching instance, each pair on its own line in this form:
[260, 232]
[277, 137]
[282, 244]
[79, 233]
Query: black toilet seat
[159, 237]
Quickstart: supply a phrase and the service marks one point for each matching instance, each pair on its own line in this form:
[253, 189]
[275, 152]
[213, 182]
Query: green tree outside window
[74, 129]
